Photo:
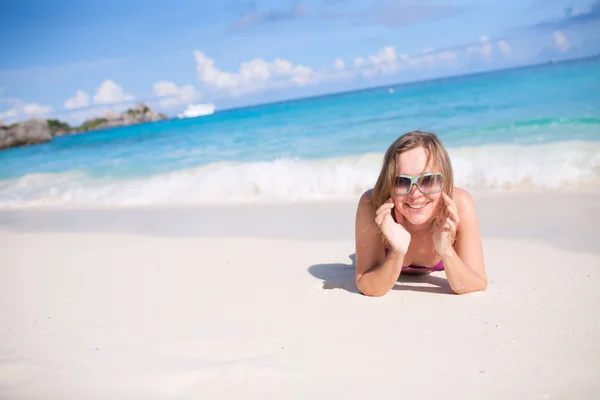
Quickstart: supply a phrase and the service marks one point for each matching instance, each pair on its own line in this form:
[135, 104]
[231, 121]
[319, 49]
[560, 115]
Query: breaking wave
[574, 164]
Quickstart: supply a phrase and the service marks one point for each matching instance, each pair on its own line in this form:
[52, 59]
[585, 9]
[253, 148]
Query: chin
[418, 219]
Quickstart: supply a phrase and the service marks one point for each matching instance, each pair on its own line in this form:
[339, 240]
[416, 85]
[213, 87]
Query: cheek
[435, 198]
[399, 201]
[435, 202]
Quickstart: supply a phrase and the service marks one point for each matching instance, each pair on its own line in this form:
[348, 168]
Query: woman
[414, 221]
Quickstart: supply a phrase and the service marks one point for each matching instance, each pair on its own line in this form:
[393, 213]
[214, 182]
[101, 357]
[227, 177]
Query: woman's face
[416, 207]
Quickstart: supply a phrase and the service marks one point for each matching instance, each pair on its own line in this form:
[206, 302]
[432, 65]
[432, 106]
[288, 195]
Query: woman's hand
[395, 233]
[444, 232]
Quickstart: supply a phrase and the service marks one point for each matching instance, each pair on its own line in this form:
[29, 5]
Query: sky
[75, 60]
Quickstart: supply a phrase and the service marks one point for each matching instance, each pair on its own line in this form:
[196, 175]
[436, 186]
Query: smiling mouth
[416, 206]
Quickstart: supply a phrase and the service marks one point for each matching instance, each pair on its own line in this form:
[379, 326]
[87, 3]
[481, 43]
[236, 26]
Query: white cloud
[504, 47]
[484, 50]
[253, 76]
[22, 110]
[10, 113]
[339, 64]
[172, 95]
[81, 99]
[165, 88]
[386, 55]
[34, 109]
[561, 42]
[386, 61]
[109, 92]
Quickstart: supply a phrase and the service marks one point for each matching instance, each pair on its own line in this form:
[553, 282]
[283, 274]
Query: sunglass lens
[431, 183]
[402, 185]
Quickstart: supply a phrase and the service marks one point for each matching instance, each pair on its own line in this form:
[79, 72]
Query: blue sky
[75, 60]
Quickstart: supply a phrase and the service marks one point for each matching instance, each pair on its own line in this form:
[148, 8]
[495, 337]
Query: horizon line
[407, 83]
[357, 90]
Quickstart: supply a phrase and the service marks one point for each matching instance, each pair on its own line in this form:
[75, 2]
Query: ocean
[531, 127]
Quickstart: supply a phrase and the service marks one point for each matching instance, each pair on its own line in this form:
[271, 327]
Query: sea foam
[559, 165]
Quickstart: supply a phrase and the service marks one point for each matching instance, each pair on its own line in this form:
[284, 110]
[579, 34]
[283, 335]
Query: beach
[213, 257]
[179, 186]
[252, 301]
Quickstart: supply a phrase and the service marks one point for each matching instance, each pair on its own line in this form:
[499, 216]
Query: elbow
[477, 287]
[368, 290]
[372, 293]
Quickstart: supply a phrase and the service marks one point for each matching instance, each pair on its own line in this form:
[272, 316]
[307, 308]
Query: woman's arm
[463, 262]
[375, 275]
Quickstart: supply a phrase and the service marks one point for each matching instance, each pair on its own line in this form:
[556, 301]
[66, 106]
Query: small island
[39, 130]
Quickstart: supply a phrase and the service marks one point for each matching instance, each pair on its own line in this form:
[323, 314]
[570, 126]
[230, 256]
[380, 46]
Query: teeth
[416, 207]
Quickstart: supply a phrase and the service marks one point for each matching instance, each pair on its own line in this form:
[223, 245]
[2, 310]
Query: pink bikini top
[438, 267]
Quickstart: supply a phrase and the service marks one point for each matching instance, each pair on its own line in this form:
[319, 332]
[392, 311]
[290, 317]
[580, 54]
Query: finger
[449, 200]
[451, 207]
[380, 219]
[384, 209]
[454, 215]
[386, 206]
[451, 225]
[446, 226]
[382, 213]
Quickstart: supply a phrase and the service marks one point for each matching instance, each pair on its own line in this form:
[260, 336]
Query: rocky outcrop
[32, 131]
[141, 113]
[37, 130]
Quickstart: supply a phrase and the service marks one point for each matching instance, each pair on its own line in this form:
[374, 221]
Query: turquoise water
[536, 126]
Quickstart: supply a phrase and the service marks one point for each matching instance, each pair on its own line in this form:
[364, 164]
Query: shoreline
[557, 217]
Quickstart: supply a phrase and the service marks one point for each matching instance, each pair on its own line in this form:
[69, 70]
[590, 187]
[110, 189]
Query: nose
[414, 193]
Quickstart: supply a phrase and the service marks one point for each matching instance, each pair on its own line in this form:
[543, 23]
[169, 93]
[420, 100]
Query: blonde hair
[435, 151]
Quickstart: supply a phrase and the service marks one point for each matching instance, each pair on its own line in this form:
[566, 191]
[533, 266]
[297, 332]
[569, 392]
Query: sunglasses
[428, 183]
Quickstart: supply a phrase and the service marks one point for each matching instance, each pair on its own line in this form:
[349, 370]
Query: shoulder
[365, 205]
[366, 199]
[366, 196]
[465, 204]
[463, 199]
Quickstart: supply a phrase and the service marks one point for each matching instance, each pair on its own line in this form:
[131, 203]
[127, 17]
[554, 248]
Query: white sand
[129, 315]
